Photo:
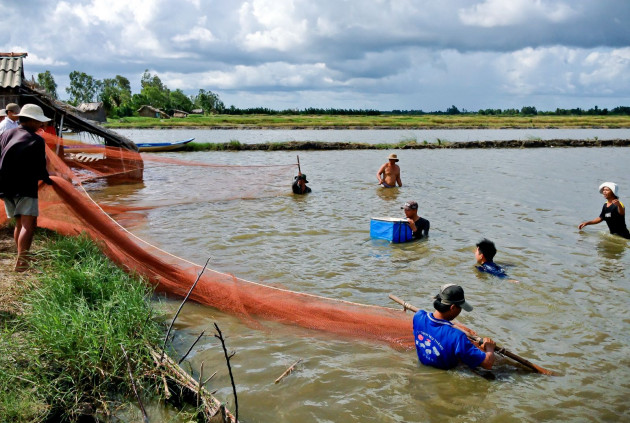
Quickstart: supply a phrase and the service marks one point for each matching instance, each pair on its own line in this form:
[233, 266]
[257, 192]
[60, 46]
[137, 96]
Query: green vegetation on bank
[403, 145]
[62, 358]
[468, 121]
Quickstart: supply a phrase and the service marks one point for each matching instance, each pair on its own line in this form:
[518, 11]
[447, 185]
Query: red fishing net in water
[66, 207]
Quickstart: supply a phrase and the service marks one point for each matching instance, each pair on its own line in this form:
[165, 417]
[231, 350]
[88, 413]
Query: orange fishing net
[66, 207]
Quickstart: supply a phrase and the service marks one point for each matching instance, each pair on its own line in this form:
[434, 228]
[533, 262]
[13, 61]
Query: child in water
[613, 212]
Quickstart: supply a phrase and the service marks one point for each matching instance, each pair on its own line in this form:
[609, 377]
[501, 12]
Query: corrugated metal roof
[11, 72]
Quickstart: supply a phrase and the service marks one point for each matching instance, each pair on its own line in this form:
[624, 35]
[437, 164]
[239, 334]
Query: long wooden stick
[479, 341]
[299, 170]
[288, 371]
[168, 332]
[145, 418]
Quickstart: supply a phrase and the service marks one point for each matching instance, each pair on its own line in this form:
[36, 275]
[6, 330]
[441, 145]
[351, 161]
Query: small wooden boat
[162, 146]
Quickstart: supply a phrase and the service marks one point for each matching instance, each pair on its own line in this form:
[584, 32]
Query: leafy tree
[452, 111]
[529, 111]
[47, 82]
[116, 96]
[83, 88]
[154, 91]
[209, 102]
[180, 101]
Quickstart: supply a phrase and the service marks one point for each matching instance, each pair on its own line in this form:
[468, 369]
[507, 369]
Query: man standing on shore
[389, 174]
[22, 166]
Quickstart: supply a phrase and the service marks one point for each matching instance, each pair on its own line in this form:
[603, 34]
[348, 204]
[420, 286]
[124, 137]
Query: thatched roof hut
[150, 111]
[14, 88]
[179, 114]
[93, 111]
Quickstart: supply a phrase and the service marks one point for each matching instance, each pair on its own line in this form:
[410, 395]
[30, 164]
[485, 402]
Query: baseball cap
[410, 205]
[453, 294]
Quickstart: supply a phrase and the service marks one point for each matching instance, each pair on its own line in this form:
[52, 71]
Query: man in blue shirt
[484, 254]
[443, 344]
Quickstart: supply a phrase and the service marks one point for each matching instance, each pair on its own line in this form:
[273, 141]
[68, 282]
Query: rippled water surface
[372, 136]
[568, 312]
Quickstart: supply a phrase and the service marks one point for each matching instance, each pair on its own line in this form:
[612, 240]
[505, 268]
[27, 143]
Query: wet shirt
[22, 163]
[422, 228]
[492, 268]
[441, 345]
[616, 222]
[298, 190]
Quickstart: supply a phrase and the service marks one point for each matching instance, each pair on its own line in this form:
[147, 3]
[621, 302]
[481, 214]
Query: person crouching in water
[443, 344]
[419, 226]
[613, 212]
[484, 254]
[299, 184]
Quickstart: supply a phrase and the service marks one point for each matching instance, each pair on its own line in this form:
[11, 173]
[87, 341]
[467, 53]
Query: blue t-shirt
[492, 268]
[441, 345]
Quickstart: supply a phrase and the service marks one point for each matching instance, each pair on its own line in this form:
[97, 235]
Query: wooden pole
[479, 341]
[299, 170]
[288, 371]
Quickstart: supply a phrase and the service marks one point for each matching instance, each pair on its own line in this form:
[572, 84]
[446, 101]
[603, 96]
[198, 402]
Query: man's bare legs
[23, 235]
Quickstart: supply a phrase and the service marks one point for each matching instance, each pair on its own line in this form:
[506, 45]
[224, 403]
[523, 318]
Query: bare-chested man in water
[389, 174]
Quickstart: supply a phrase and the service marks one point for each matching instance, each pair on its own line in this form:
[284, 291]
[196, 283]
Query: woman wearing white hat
[613, 212]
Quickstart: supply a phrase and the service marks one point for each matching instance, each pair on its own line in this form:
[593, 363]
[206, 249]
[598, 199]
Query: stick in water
[479, 341]
[288, 371]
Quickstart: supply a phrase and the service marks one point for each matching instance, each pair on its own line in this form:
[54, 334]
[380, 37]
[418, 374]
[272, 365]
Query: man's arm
[398, 178]
[590, 222]
[381, 170]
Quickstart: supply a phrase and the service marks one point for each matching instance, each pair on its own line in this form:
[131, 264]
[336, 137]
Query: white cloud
[199, 34]
[606, 71]
[272, 24]
[496, 13]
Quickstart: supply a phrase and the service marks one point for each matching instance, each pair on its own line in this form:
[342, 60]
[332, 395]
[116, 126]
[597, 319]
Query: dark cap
[410, 205]
[453, 294]
[303, 176]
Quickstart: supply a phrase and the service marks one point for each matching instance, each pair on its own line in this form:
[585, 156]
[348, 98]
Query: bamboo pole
[479, 341]
[288, 371]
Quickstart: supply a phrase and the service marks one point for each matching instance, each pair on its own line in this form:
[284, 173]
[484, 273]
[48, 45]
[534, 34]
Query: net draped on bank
[66, 208]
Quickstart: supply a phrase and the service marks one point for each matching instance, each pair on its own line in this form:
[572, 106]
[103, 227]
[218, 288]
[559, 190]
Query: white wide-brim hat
[33, 111]
[611, 185]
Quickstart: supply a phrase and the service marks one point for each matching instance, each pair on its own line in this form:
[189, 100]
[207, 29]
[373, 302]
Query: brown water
[568, 313]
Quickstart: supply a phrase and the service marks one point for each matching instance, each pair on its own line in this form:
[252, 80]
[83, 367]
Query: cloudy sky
[355, 54]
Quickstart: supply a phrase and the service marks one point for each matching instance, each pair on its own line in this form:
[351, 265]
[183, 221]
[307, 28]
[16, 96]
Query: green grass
[473, 121]
[63, 356]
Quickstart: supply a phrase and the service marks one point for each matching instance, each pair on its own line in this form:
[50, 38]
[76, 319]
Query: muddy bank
[319, 145]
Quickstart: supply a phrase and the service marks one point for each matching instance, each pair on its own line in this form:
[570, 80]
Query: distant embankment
[319, 145]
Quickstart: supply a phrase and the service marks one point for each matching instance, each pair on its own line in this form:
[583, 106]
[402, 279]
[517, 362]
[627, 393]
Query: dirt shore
[12, 284]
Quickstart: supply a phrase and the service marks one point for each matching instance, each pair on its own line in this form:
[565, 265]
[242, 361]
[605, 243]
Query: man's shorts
[21, 206]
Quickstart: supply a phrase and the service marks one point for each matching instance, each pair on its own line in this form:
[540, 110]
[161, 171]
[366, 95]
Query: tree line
[119, 101]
